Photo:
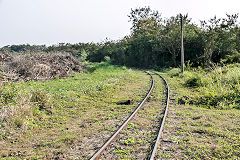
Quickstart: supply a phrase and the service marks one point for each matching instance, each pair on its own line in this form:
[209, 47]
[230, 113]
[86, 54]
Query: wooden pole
[182, 47]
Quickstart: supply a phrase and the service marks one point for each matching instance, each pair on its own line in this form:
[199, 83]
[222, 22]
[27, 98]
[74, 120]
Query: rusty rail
[163, 120]
[97, 154]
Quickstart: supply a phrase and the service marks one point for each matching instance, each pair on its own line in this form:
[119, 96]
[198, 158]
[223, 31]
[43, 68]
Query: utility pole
[182, 47]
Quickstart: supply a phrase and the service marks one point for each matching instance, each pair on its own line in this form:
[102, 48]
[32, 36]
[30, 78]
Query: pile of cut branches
[37, 66]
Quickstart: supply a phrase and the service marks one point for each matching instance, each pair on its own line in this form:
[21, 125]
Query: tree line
[154, 42]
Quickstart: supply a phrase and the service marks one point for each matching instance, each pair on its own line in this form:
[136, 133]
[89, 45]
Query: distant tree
[171, 37]
[219, 37]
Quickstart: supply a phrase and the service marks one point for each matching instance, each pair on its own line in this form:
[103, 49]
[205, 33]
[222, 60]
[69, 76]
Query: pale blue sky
[73, 21]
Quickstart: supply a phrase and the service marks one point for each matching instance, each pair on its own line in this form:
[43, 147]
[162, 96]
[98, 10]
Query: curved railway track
[163, 120]
[113, 137]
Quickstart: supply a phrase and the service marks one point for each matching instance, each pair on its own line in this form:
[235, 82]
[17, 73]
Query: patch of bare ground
[137, 139]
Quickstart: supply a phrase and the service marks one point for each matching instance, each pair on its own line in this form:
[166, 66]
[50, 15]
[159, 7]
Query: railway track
[153, 144]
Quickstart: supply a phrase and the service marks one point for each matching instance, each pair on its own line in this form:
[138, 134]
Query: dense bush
[234, 58]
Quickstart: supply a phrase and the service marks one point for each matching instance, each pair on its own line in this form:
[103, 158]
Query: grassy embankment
[63, 118]
[204, 118]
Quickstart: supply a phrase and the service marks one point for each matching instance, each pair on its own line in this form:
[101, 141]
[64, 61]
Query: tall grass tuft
[218, 88]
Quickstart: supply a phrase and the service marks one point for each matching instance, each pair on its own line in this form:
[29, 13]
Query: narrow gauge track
[163, 120]
[111, 139]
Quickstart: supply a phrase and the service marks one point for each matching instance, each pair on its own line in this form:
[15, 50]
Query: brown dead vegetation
[37, 66]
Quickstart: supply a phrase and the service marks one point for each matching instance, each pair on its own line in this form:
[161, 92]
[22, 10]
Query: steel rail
[163, 120]
[97, 154]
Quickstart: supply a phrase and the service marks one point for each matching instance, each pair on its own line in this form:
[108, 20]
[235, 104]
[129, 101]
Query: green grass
[210, 134]
[207, 125]
[62, 118]
[47, 119]
[210, 88]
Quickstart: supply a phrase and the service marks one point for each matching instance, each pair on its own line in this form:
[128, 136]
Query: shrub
[196, 81]
[42, 99]
[234, 58]
[219, 88]
[7, 93]
[18, 122]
